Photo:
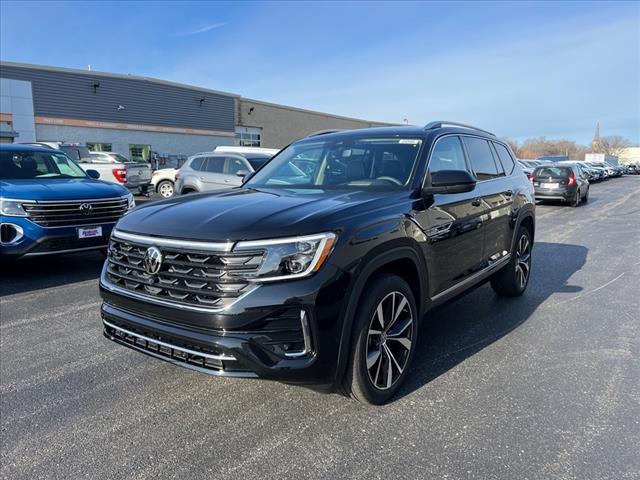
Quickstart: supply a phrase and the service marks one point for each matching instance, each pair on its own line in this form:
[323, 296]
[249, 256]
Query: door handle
[476, 202]
[226, 180]
[201, 178]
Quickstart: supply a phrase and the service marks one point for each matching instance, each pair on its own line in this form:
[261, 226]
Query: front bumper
[249, 338]
[37, 240]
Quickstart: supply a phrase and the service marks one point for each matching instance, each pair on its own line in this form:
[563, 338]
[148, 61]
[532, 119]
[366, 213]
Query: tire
[187, 191]
[379, 360]
[586, 196]
[575, 202]
[512, 280]
[166, 189]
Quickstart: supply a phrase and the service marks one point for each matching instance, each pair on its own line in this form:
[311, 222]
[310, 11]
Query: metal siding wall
[70, 95]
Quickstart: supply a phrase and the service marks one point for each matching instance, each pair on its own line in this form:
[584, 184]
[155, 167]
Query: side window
[234, 165]
[447, 155]
[481, 158]
[505, 157]
[215, 164]
[196, 163]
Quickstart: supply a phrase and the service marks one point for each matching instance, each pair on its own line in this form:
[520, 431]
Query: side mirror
[450, 181]
[244, 174]
[93, 174]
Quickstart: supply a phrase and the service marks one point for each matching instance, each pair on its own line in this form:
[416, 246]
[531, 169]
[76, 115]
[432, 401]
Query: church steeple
[595, 143]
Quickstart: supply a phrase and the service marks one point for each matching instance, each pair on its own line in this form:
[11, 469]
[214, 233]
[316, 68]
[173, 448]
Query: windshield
[76, 152]
[24, 165]
[352, 163]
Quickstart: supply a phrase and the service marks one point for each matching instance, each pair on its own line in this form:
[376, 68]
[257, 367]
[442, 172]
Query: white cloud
[203, 29]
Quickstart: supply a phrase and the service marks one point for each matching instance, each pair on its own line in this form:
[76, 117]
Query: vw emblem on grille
[152, 260]
[85, 208]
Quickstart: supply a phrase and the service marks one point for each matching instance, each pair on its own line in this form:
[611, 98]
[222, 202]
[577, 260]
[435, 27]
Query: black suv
[319, 269]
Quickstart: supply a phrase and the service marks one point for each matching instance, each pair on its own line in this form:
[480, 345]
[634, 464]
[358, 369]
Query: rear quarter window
[505, 158]
[196, 163]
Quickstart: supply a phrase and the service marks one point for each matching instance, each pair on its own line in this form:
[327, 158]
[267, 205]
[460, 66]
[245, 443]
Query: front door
[452, 223]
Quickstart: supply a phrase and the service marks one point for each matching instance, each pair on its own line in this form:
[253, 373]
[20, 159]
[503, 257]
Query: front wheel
[383, 342]
[586, 196]
[512, 280]
[166, 188]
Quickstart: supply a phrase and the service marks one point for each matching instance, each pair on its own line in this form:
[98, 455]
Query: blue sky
[519, 69]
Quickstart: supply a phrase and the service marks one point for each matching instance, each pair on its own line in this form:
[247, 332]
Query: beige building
[630, 155]
[275, 126]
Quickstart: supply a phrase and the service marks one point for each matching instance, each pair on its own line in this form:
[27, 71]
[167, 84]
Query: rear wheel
[576, 201]
[383, 341]
[166, 188]
[513, 279]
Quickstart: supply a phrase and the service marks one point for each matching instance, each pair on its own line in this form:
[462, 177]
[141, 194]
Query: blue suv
[48, 204]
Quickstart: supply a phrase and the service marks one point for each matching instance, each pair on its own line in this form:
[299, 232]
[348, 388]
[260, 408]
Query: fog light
[10, 233]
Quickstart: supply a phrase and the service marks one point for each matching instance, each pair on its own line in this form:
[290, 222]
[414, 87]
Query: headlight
[132, 201]
[12, 208]
[288, 258]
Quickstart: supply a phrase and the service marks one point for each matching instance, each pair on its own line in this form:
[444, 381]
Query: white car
[164, 181]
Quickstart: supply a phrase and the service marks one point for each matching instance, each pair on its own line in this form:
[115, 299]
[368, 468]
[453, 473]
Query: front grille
[186, 277]
[70, 214]
[206, 359]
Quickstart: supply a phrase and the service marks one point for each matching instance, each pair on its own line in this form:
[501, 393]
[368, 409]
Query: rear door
[213, 176]
[494, 197]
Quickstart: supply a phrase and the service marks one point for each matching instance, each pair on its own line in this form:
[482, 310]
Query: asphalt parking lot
[546, 386]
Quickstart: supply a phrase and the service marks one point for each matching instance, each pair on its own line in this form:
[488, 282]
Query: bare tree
[613, 145]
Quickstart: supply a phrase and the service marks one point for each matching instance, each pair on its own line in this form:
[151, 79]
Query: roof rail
[442, 123]
[323, 132]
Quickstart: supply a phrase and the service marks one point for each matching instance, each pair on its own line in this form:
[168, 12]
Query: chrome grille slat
[67, 214]
[186, 276]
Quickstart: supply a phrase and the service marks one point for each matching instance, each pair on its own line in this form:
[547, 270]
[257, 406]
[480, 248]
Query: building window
[99, 147]
[248, 136]
[140, 153]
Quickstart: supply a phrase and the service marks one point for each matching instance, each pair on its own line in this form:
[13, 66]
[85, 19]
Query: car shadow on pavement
[456, 331]
[35, 273]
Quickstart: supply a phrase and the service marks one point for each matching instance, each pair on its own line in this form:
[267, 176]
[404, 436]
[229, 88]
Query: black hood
[247, 214]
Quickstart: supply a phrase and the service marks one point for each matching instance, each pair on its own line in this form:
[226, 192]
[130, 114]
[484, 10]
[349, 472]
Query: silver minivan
[214, 171]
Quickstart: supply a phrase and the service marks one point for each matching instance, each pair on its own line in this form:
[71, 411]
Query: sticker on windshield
[408, 141]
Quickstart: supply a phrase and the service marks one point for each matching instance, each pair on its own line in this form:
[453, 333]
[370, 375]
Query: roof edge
[96, 73]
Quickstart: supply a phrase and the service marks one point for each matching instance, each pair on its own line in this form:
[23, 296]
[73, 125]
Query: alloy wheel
[389, 340]
[166, 190]
[523, 261]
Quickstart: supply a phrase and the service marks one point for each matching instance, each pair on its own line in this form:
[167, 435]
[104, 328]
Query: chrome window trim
[170, 345]
[104, 282]
[170, 242]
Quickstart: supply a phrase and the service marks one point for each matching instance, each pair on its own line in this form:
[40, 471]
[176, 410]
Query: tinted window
[505, 158]
[196, 163]
[481, 158]
[552, 171]
[234, 165]
[215, 164]
[447, 155]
